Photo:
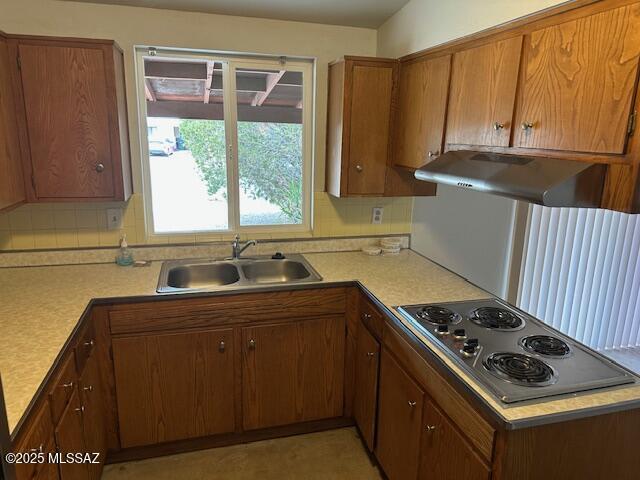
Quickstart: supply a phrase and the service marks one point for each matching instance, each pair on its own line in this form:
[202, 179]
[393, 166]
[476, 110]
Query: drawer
[478, 431]
[86, 345]
[226, 310]
[38, 438]
[371, 317]
[62, 387]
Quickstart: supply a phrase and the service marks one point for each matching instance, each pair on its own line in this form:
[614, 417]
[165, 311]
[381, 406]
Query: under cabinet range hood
[546, 181]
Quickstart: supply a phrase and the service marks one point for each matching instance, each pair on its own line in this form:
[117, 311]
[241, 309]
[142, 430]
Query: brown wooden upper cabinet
[483, 91]
[12, 191]
[359, 118]
[73, 119]
[422, 104]
[578, 83]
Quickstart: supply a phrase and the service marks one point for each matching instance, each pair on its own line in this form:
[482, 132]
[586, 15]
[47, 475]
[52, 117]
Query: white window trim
[230, 63]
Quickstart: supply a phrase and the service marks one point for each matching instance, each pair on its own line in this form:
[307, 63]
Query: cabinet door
[174, 386]
[370, 115]
[366, 387]
[578, 83]
[11, 179]
[483, 90]
[399, 421]
[67, 115]
[70, 439]
[422, 103]
[292, 372]
[92, 396]
[446, 455]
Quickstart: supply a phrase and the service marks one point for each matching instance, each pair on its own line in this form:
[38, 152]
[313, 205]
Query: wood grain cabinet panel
[422, 102]
[38, 438]
[445, 453]
[93, 399]
[292, 372]
[367, 362]
[73, 116]
[174, 386]
[69, 436]
[483, 90]
[399, 421]
[12, 191]
[578, 83]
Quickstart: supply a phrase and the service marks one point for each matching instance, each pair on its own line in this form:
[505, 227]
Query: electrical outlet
[114, 218]
[376, 215]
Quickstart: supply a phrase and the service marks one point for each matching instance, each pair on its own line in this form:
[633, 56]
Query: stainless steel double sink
[207, 274]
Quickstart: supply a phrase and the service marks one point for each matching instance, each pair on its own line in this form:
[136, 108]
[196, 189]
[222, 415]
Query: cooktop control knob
[469, 347]
[442, 329]
[460, 333]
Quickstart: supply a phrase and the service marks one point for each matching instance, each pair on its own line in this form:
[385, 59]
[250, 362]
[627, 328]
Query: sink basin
[206, 274]
[275, 271]
[203, 275]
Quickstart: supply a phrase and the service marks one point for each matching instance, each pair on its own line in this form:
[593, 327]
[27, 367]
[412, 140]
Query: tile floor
[332, 455]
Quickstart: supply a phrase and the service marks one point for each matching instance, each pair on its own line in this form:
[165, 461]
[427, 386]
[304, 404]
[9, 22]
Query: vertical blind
[581, 274]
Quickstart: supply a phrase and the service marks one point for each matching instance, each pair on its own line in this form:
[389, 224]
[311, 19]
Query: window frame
[231, 62]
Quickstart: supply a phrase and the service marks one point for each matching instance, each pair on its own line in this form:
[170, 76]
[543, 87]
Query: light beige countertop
[40, 306]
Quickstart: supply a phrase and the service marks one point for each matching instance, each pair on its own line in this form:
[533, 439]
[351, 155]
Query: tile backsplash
[81, 225]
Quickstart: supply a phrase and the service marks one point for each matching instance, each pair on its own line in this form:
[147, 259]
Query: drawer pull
[222, 347]
[431, 428]
[366, 316]
[498, 126]
[412, 403]
[252, 344]
[371, 354]
[80, 409]
[88, 388]
[67, 385]
[90, 343]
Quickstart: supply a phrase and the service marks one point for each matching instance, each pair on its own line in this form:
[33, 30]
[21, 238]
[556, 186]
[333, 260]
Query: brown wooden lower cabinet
[367, 363]
[69, 436]
[174, 386]
[292, 372]
[445, 453]
[92, 396]
[399, 421]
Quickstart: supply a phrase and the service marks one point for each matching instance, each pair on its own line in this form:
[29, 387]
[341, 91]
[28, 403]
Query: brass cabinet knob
[498, 126]
[100, 167]
[252, 344]
[222, 347]
[431, 428]
[88, 388]
[90, 343]
[432, 154]
[412, 403]
[371, 354]
[67, 385]
[359, 168]
[80, 409]
[366, 316]
[527, 125]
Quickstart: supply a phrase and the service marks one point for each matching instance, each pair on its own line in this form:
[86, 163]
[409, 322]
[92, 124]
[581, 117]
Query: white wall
[467, 232]
[131, 26]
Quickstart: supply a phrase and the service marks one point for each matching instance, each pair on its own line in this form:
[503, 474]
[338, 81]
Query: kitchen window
[227, 142]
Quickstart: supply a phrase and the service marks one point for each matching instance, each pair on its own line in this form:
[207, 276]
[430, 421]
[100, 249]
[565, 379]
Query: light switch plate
[376, 215]
[114, 218]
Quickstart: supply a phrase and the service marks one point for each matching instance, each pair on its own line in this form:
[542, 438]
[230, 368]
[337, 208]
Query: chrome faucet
[237, 250]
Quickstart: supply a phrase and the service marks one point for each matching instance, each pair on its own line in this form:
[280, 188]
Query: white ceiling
[357, 13]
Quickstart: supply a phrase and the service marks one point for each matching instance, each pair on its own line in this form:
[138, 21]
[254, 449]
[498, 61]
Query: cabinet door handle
[431, 428]
[527, 126]
[80, 409]
[252, 344]
[67, 385]
[90, 343]
[412, 403]
[371, 354]
[222, 346]
[498, 126]
[88, 388]
[100, 167]
[40, 449]
[366, 316]
[359, 168]
[431, 154]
